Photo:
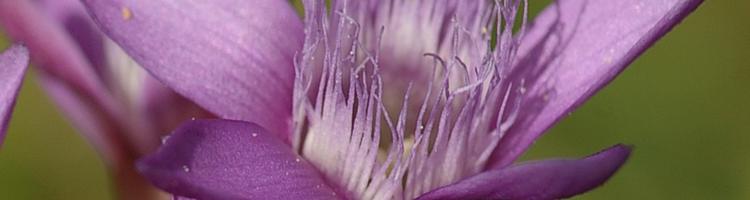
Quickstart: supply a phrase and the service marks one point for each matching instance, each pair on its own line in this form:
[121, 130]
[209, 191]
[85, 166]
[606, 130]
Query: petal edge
[546, 179]
[13, 64]
[573, 49]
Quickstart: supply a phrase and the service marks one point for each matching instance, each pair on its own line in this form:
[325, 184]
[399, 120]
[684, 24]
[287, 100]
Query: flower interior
[395, 98]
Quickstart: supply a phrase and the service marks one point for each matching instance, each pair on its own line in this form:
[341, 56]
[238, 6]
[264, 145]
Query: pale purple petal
[85, 117]
[222, 159]
[13, 63]
[233, 57]
[81, 29]
[548, 179]
[65, 70]
[53, 50]
[572, 50]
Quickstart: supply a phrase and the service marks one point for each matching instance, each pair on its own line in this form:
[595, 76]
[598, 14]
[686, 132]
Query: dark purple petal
[547, 179]
[233, 57]
[572, 50]
[222, 159]
[13, 63]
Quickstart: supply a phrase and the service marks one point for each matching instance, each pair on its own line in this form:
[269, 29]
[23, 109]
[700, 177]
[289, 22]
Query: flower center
[433, 57]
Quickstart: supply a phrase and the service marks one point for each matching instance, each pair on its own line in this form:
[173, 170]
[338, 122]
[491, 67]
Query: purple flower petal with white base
[572, 50]
[229, 56]
[13, 63]
[221, 159]
[547, 179]
[464, 104]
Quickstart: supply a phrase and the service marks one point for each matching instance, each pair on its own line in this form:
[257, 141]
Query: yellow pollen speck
[126, 13]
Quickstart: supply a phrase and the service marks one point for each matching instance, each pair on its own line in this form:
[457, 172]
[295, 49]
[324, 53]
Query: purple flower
[314, 98]
[13, 62]
[120, 110]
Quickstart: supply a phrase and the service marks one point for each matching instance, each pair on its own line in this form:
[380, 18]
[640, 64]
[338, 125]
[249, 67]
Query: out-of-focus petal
[181, 198]
[572, 50]
[85, 117]
[53, 50]
[548, 179]
[13, 63]
[222, 159]
[229, 56]
[80, 28]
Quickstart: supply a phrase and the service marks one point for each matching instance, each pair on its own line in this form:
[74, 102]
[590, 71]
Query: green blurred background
[685, 105]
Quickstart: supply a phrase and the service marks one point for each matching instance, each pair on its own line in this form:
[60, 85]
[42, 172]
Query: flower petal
[228, 56]
[222, 159]
[61, 39]
[548, 179]
[13, 63]
[162, 109]
[572, 50]
[72, 16]
[94, 125]
[53, 50]
[180, 198]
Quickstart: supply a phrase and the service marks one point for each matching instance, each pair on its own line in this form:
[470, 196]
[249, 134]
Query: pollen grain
[127, 14]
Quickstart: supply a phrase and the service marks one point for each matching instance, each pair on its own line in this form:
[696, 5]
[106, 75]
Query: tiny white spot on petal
[164, 139]
[185, 168]
[255, 134]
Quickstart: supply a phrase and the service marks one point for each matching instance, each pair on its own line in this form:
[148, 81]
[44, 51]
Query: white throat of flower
[127, 77]
[464, 108]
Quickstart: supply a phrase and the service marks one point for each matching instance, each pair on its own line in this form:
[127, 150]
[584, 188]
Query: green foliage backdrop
[685, 105]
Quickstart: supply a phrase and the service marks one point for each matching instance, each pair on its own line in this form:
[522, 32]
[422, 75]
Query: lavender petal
[13, 63]
[222, 159]
[228, 56]
[53, 50]
[548, 179]
[573, 49]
